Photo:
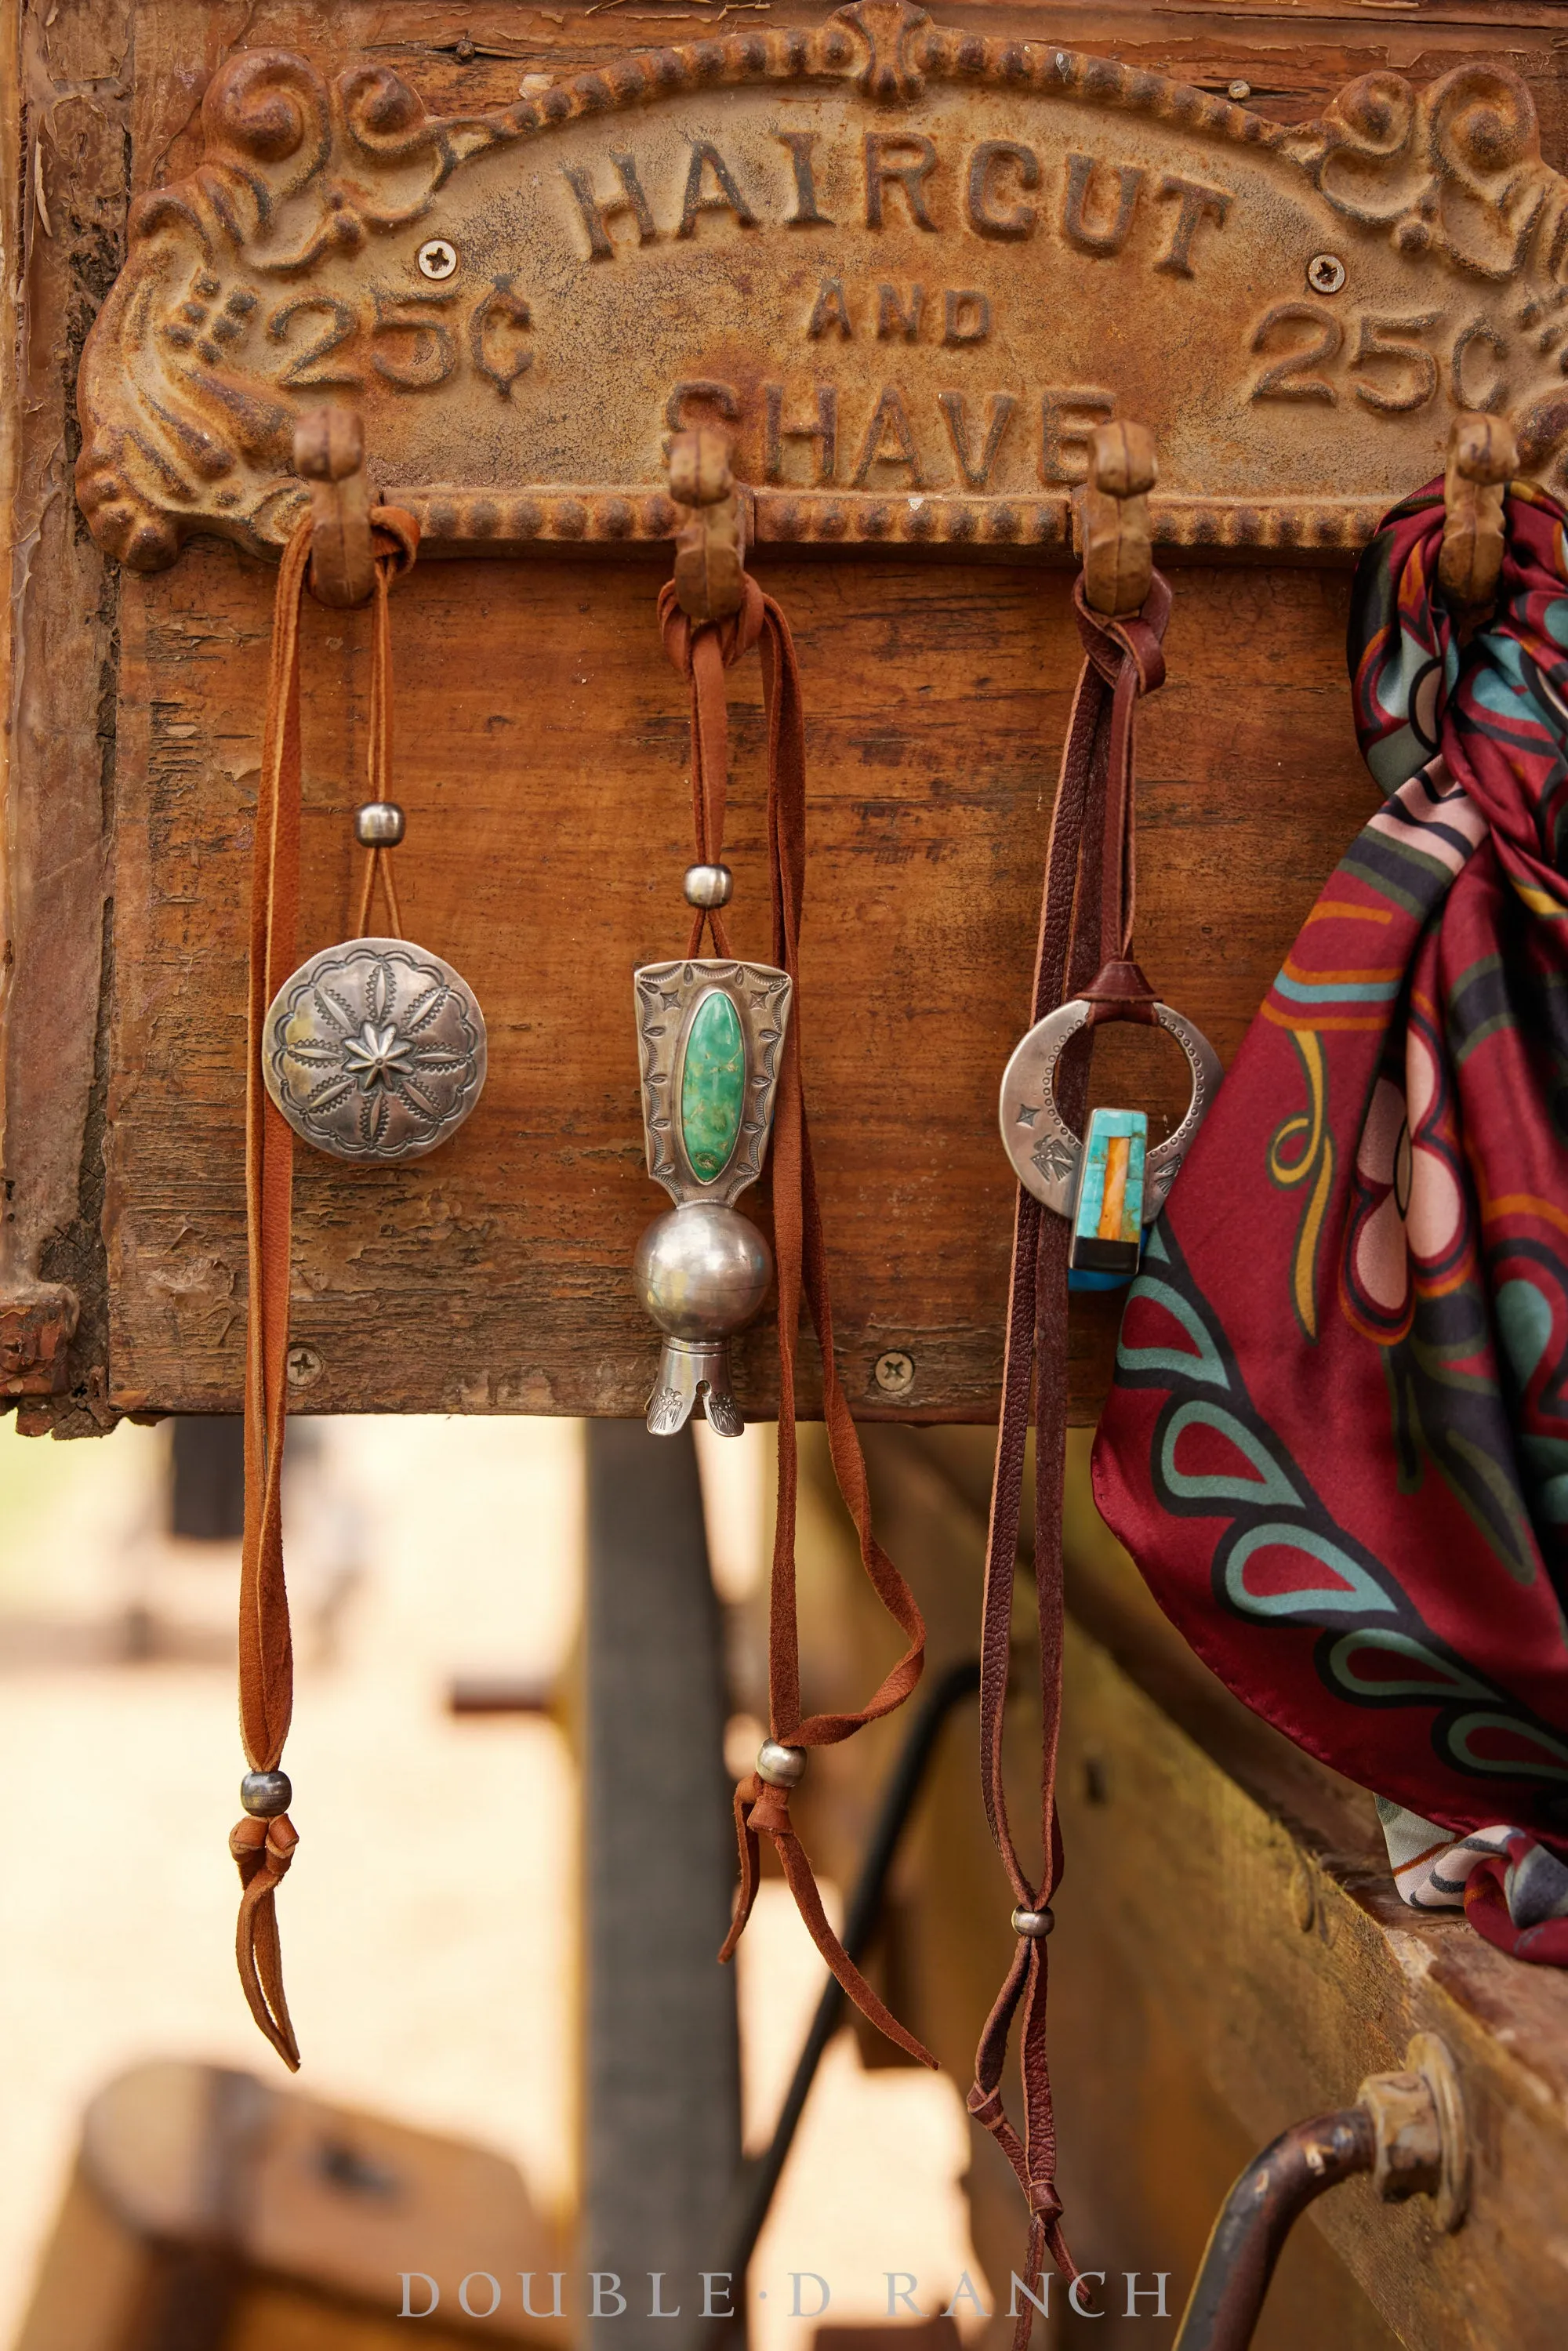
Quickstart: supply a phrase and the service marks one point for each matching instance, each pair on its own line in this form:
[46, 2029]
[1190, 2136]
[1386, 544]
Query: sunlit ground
[429, 1923]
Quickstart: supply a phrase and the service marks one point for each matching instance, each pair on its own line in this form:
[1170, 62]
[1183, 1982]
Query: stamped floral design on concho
[374, 1049]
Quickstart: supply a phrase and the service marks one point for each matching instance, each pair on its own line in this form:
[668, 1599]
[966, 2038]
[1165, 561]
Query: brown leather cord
[263, 1849]
[396, 550]
[1083, 946]
[702, 653]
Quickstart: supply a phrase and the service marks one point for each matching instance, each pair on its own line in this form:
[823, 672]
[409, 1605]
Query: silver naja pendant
[374, 1050]
[1108, 1183]
[710, 1034]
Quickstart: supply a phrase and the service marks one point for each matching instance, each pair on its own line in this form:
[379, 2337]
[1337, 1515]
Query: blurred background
[431, 1922]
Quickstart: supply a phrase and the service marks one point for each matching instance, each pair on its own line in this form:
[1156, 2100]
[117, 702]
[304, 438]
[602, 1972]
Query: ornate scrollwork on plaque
[961, 254]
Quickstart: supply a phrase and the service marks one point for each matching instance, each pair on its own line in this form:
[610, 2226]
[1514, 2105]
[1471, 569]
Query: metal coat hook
[1118, 557]
[710, 558]
[1483, 457]
[1407, 2129]
[330, 454]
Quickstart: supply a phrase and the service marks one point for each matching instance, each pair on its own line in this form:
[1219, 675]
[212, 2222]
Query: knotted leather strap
[1084, 948]
[264, 1849]
[702, 652]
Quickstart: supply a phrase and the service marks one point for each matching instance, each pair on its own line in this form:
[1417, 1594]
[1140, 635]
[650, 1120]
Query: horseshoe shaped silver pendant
[1047, 1157]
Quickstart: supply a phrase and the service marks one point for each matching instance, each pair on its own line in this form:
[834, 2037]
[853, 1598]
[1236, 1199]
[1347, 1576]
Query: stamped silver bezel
[668, 995]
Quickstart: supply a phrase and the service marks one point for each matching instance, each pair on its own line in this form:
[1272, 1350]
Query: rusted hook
[1407, 2129]
[1483, 457]
[710, 563]
[330, 454]
[1118, 558]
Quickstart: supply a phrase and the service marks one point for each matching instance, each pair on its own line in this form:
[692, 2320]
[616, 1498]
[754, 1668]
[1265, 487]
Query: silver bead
[780, 1766]
[708, 885]
[265, 1795]
[702, 1271]
[378, 824]
[1033, 1923]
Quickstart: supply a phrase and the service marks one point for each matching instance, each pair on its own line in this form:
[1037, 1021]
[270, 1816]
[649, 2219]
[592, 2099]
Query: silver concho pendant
[374, 1050]
[1108, 1184]
[710, 1033]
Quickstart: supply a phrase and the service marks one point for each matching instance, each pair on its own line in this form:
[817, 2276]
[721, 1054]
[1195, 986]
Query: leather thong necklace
[719, 1040]
[1082, 1203]
[373, 1051]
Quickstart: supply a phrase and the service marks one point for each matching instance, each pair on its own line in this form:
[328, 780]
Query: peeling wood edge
[58, 651]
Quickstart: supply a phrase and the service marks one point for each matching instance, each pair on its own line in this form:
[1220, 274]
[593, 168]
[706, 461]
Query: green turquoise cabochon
[713, 1086]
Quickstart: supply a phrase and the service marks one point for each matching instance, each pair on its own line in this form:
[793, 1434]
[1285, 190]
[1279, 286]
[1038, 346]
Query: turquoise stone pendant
[710, 1034]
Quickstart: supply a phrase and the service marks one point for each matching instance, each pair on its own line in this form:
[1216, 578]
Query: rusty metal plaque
[909, 268]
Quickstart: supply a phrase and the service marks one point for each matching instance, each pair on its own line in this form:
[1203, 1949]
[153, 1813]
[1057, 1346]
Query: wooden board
[541, 750]
[541, 753]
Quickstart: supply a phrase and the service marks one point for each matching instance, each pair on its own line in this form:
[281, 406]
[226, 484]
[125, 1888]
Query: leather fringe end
[760, 1807]
[263, 1851]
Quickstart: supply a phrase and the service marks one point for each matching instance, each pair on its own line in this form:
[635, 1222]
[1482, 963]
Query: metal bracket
[1118, 554]
[1407, 2129]
[1483, 457]
[710, 560]
[330, 454]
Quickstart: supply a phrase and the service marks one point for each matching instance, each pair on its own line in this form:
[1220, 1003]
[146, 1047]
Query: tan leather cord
[1083, 946]
[702, 653]
[263, 1849]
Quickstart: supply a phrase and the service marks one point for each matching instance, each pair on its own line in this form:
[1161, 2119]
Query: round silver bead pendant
[266, 1794]
[374, 1050]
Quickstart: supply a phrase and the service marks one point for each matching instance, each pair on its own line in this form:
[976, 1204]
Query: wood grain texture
[1229, 1955]
[541, 752]
[63, 161]
[495, 1280]
[1193, 1879]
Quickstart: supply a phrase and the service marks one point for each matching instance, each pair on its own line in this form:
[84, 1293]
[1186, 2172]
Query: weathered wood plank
[540, 752]
[63, 163]
[1290, 1974]
[937, 694]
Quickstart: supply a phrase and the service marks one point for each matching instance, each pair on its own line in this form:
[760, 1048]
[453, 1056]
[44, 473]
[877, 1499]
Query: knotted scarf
[702, 652]
[1337, 1445]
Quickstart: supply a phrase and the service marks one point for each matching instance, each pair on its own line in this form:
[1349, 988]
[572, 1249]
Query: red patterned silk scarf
[1337, 1445]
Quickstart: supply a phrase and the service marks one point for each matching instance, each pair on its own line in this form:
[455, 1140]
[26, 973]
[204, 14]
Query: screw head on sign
[437, 258]
[895, 1373]
[1240, 91]
[1325, 273]
[304, 1366]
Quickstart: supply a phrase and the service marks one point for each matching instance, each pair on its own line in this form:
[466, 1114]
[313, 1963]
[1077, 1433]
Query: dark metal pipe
[759, 2175]
[1257, 2217]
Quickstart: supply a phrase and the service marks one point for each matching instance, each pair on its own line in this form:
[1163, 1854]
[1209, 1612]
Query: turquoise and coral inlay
[1107, 1222]
[713, 1086]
